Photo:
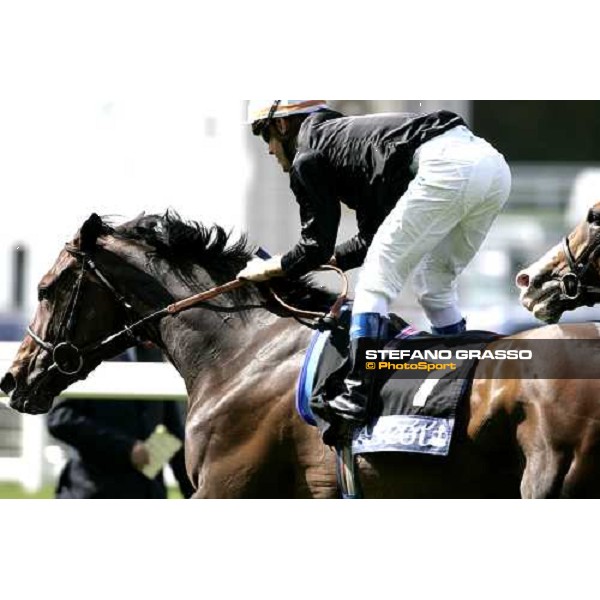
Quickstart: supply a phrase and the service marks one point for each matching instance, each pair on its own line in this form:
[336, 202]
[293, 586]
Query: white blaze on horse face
[543, 265]
[534, 298]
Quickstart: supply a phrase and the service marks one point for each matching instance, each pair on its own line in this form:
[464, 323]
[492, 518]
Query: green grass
[14, 491]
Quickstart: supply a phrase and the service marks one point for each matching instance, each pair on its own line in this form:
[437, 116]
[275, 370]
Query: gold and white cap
[260, 109]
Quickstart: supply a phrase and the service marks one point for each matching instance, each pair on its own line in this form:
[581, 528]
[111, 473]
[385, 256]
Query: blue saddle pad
[306, 380]
[415, 415]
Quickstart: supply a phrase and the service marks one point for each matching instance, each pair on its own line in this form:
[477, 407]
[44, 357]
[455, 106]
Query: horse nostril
[523, 280]
[8, 384]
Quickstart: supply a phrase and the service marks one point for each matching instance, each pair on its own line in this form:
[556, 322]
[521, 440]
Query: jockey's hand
[140, 456]
[262, 270]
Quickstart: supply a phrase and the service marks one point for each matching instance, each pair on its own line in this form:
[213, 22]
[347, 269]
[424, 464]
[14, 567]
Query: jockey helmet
[262, 112]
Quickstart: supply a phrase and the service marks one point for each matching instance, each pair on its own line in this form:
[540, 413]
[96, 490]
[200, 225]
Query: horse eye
[43, 294]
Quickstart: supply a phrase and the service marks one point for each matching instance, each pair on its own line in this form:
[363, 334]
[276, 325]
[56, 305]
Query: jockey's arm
[352, 253]
[319, 215]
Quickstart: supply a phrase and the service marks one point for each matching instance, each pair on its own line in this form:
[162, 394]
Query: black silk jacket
[363, 162]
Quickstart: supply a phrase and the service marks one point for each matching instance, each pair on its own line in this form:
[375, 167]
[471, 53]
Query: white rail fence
[126, 381]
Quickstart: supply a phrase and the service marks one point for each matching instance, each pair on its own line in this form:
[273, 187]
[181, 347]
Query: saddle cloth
[415, 414]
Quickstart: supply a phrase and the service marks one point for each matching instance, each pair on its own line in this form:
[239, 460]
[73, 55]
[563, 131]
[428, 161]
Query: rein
[192, 301]
[69, 359]
[572, 284]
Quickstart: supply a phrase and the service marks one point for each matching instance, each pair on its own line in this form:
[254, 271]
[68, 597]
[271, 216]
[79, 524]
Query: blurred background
[119, 155]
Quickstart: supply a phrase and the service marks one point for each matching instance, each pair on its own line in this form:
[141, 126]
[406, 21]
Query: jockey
[426, 191]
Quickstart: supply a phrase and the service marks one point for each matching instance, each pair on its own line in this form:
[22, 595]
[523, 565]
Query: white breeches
[461, 185]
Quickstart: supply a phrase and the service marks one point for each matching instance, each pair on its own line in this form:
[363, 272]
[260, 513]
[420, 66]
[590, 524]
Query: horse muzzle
[30, 404]
[25, 401]
[8, 383]
[546, 301]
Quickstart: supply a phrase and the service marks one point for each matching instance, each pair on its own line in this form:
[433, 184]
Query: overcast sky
[108, 128]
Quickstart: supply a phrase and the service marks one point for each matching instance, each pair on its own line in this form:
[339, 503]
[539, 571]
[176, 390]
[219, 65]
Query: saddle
[411, 411]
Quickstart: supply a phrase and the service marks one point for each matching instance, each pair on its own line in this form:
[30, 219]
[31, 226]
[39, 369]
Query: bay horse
[240, 357]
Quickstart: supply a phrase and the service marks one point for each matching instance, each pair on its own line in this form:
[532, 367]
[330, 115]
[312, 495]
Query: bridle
[572, 284]
[69, 359]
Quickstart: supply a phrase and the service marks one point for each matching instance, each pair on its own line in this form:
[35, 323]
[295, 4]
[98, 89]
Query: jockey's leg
[349, 410]
[454, 173]
[435, 277]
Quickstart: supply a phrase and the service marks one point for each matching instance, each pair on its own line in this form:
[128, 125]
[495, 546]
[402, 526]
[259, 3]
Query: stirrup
[347, 474]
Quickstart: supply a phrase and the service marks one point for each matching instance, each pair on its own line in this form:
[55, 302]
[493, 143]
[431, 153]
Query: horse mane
[185, 244]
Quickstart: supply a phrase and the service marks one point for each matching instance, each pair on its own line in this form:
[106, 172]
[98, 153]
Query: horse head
[567, 276]
[76, 310]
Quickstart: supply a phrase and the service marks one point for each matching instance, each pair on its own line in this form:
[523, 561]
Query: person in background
[106, 447]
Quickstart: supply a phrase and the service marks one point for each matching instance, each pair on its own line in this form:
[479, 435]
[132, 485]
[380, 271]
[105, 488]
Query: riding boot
[455, 329]
[349, 410]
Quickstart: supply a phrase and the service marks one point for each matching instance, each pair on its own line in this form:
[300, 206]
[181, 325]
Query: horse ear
[90, 231]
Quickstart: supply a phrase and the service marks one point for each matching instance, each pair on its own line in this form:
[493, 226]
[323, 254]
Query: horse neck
[205, 344]
[199, 341]
[223, 359]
